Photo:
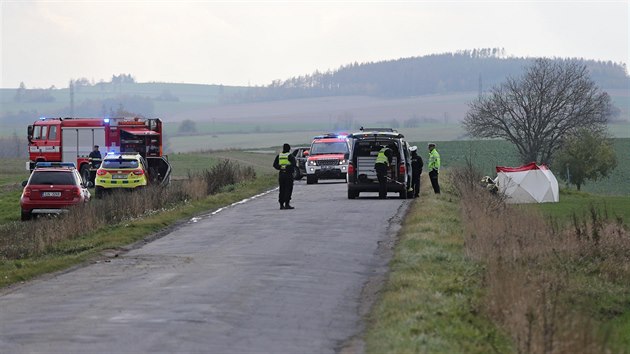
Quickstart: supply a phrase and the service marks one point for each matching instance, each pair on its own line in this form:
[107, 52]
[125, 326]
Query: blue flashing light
[42, 164]
[106, 120]
[42, 118]
[342, 136]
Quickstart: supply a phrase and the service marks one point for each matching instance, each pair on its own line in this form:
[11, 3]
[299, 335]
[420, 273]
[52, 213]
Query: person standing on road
[434, 167]
[381, 165]
[285, 163]
[416, 170]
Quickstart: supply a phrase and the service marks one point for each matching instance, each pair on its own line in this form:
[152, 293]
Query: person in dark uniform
[95, 154]
[416, 170]
[381, 165]
[285, 162]
[95, 160]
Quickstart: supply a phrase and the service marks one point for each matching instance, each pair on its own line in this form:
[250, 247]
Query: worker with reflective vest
[434, 167]
[285, 162]
[381, 166]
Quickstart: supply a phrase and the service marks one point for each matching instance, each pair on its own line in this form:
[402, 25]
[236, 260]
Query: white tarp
[528, 184]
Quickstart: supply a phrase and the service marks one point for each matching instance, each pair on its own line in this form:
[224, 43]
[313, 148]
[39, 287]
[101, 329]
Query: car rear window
[52, 177]
[120, 163]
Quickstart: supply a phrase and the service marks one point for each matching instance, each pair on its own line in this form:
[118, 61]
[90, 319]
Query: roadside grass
[52, 244]
[473, 275]
[13, 172]
[555, 287]
[91, 245]
[431, 300]
[10, 205]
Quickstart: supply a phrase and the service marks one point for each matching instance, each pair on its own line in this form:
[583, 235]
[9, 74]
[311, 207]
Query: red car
[52, 188]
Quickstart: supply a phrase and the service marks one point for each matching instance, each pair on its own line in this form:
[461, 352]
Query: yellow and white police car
[126, 171]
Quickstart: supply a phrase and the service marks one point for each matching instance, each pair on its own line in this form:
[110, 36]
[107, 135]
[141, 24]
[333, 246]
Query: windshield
[120, 163]
[329, 148]
[52, 177]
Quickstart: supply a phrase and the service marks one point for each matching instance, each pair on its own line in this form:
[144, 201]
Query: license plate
[119, 176]
[51, 194]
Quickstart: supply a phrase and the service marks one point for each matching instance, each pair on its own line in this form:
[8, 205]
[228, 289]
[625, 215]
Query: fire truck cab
[72, 140]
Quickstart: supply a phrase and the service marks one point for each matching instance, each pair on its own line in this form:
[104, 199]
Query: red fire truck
[72, 140]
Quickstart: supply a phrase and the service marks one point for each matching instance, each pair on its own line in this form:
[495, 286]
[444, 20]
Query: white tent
[527, 184]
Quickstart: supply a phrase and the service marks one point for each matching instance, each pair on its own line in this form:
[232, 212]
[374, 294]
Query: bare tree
[538, 110]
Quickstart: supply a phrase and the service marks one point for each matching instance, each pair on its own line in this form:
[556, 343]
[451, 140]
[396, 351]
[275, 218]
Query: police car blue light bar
[42, 164]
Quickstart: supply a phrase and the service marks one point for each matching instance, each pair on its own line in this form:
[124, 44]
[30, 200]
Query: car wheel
[403, 194]
[25, 215]
[297, 174]
[352, 194]
[311, 179]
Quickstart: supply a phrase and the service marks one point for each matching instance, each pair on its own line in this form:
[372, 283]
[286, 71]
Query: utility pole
[71, 89]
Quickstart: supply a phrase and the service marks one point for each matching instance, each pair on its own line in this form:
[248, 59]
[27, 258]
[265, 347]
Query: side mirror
[29, 133]
[306, 153]
[24, 183]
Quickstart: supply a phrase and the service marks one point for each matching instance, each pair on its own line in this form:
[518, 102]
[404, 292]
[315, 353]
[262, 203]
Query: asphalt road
[247, 279]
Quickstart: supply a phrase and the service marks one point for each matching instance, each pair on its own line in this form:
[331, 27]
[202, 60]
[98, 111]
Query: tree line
[468, 70]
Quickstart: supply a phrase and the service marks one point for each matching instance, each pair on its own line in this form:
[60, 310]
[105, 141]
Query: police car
[126, 171]
[52, 188]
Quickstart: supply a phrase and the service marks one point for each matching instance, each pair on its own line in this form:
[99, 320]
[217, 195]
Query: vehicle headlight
[342, 162]
[312, 163]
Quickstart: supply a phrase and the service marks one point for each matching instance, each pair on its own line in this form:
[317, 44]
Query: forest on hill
[468, 70]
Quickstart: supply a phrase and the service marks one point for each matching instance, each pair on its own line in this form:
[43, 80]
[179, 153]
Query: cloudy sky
[45, 43]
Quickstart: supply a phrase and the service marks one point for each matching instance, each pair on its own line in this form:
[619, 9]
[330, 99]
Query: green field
[487, 154]
[580, 204]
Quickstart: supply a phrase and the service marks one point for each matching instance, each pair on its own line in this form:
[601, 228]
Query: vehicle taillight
[350, 168]
[27, 192]
[138, 172]
[76, 192]
[101, 172]
[402, 170]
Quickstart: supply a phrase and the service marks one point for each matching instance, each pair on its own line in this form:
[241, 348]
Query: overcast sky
[47, 43]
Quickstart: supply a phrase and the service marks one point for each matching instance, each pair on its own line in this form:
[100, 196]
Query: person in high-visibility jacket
[434, 167]
[285, 162]
[381, 166]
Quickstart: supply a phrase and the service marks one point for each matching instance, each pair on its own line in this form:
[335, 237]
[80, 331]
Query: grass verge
[75, 251]
[430, 301]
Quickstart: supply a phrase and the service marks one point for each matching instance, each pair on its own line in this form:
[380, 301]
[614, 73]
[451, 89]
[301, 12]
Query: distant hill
[471, 70]
[407, 91]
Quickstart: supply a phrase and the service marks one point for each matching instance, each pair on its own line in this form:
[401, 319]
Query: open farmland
[486, 154]
[434, 131]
